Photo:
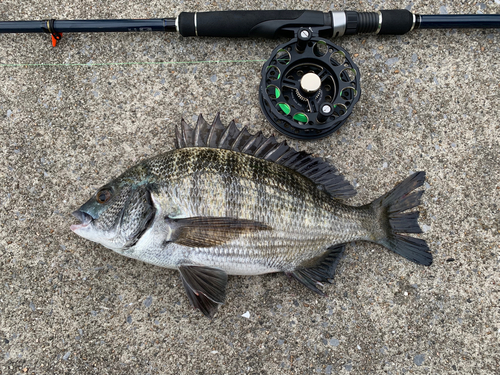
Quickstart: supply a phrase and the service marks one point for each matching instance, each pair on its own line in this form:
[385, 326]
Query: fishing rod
[309, 85]
[264, 23]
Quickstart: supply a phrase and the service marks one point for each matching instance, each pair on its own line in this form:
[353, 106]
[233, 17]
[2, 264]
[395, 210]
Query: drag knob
[310, 83]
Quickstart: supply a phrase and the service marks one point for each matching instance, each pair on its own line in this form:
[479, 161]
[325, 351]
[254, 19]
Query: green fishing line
[29, 65]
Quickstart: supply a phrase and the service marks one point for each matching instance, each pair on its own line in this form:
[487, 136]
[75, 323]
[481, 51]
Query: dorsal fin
[201, 132]
[216, 131]
[230, 138]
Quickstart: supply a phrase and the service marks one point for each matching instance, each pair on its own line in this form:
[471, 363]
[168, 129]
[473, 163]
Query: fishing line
[30, 65]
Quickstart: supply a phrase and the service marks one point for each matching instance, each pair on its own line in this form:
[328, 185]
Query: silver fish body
[229, 203]
[303, 220]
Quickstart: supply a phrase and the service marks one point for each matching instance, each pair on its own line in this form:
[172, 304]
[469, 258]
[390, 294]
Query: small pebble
[334, 342]
[392, 61]
[148, 301]
[419, 359]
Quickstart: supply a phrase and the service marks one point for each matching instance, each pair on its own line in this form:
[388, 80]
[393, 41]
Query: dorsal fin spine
[249, 143]
[243, 133]
[217, 135]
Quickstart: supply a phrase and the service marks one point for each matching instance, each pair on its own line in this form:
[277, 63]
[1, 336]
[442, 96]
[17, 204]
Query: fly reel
[309, 87]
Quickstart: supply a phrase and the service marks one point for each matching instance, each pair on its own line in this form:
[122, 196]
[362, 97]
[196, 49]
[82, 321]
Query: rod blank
[460, 21]
[89, 26]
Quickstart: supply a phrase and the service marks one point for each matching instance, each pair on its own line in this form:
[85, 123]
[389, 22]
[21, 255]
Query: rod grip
[396, 22]
[248, 23]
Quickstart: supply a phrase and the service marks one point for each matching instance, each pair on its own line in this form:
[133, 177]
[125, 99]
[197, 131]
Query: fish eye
[103, 196]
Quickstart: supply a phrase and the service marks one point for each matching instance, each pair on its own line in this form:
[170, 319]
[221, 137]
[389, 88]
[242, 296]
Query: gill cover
[137, 214]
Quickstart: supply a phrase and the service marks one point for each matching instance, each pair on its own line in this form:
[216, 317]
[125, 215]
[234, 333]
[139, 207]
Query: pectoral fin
[206, 231]
[205, 287]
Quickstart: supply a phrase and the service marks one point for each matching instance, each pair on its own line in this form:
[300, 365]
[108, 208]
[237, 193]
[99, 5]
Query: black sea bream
[226, 202]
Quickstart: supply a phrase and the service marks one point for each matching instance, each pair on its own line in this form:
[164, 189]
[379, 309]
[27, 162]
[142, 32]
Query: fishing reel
[309, 86]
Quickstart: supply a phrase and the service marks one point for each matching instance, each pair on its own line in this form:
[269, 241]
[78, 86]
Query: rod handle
[396, 22]
[249, 23]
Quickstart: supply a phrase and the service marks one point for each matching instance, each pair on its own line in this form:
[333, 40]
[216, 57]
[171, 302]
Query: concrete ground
[74, 116]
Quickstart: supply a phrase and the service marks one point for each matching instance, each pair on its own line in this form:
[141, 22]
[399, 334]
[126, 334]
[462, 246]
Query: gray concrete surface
[74, 116]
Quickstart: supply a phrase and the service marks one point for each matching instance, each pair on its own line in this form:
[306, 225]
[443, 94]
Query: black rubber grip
[361, 22]
[185, 22]
[368, 22]
[396, 22]
[351, 22]
[249, 23]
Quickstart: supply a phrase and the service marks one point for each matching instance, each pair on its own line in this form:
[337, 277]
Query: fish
[228, 202]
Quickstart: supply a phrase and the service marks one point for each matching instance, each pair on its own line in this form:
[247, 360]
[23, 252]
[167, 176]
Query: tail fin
[390, 207]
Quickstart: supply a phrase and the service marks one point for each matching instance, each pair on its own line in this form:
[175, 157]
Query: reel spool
[309, 87]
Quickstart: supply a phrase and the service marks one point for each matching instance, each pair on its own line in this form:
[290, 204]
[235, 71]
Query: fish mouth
[84, 218]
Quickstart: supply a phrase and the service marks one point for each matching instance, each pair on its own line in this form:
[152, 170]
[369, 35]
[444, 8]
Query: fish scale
[294, 208]
[243, 205]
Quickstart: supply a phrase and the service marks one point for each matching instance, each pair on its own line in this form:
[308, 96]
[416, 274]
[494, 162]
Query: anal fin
[322, 271]
[205, 287]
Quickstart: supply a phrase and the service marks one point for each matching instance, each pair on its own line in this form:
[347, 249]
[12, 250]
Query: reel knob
[310, 83]
[309, 87]
[325, 111]
[303, 36]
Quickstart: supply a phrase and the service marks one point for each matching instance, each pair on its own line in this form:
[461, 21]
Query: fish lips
[84, 218]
